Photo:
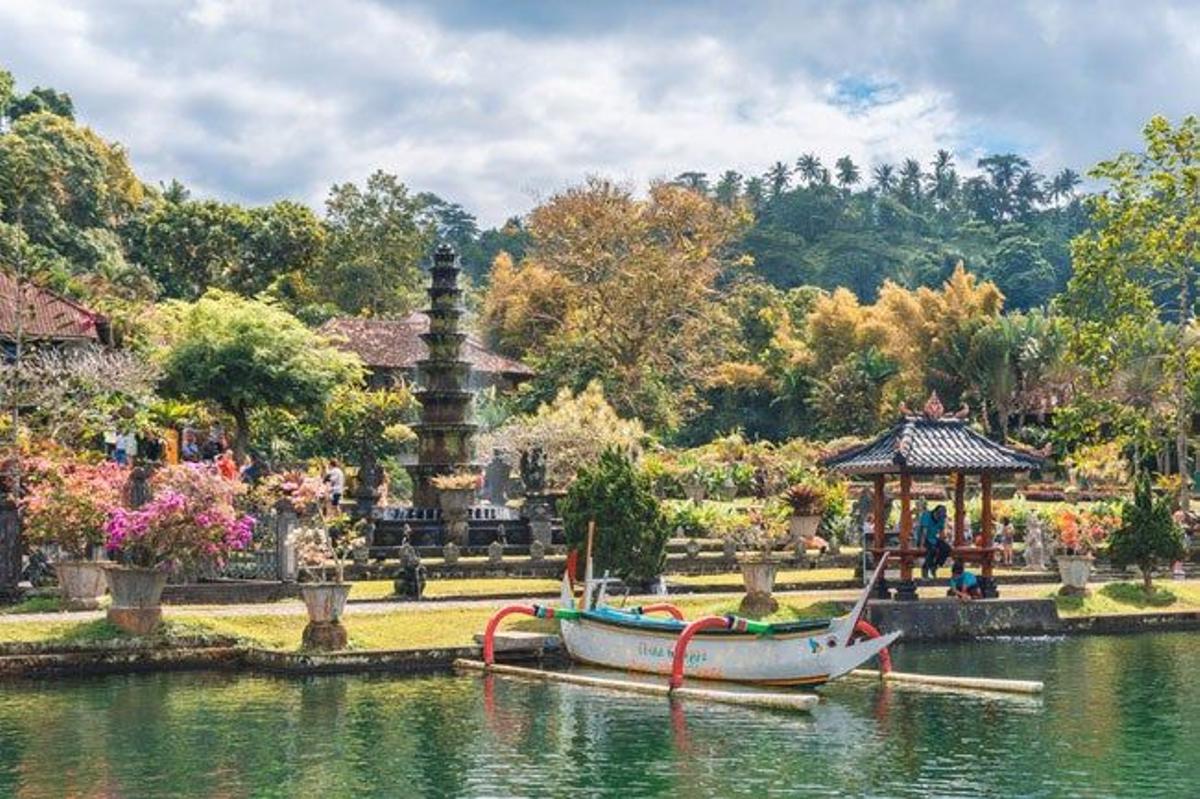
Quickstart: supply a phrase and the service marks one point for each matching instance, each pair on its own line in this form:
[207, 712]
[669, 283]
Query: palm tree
[884, 178]
[777, 178]
[755, 193]
[1062, 185]
[809, 167]
[1003, 170]
[848, 174]
[728, 187]
[943, 180]
[1027, 193]
[696, 181]
[910, 182]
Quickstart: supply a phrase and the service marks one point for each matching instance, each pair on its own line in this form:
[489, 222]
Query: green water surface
[1120, 717]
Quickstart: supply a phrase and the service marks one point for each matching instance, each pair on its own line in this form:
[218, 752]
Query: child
[1007, 533]
[963, 584]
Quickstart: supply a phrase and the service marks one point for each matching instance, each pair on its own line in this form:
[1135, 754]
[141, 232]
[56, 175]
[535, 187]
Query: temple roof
[396, 344]
[923, 445]
[47, 317]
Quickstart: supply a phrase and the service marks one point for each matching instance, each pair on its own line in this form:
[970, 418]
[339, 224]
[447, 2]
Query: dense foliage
[631, 528]
[1148, 535]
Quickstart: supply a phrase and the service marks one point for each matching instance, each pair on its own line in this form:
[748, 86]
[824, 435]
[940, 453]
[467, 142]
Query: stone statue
[533, 470]
[496, 479]
[411, 582]
[1035, 544]
[496, 548]
[540, 523]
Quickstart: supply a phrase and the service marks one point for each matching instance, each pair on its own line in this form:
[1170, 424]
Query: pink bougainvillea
[66, 502]
[191, 520]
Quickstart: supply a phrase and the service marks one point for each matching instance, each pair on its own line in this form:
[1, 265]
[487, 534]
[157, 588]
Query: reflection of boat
[726, 648]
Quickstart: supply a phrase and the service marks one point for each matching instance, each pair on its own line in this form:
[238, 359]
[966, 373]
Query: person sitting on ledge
[963, 584]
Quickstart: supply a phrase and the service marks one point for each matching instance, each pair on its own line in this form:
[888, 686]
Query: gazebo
[932, 443]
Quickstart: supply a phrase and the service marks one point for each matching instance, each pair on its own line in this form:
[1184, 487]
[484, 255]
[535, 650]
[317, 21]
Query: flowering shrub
[305, 492]
[1083, 531]
[190, 521]
[67, 503]
[805, 499]
[316, 545]
[455, 482]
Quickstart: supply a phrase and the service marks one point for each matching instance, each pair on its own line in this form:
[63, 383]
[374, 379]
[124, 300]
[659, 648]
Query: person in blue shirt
[930, 528]
[963, 584]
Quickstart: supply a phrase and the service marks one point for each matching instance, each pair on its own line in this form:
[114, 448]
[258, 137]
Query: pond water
[1120, 717]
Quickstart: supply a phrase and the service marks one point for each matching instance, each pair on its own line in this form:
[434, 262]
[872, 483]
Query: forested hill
[840, 226]
[94, 227]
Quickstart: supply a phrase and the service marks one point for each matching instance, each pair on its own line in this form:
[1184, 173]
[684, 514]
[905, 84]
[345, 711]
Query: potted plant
[807, 504]
[190, 522]
[455, 494]
[1079, 534]
[66, 507]
[316, 545]
[759, 564]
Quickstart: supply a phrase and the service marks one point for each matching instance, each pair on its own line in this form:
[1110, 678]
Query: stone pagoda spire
[445, 436]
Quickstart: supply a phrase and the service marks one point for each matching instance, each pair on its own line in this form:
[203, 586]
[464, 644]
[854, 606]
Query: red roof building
[47, 317]
[392, 347]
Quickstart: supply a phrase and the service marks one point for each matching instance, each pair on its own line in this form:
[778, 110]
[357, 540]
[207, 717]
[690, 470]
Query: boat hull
[810, 657]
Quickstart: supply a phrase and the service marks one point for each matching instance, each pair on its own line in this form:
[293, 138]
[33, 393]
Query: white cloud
[259, 100]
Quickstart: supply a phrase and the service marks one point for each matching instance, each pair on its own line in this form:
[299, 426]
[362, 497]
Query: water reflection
[1118, 719]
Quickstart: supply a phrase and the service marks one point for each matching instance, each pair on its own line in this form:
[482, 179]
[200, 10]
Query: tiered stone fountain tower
[445, 435]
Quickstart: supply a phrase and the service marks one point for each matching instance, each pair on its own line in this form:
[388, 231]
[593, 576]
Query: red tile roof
[46, 315]
[396, 344]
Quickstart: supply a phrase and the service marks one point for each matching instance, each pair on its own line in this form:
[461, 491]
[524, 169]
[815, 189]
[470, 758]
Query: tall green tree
[376, 241]
[1138, 262]
[241, 355]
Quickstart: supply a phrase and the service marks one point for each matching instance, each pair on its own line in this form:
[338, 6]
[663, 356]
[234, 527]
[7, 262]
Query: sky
[498, 105]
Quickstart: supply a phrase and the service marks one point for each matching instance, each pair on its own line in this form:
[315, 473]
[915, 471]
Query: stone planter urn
[456, 504]
[325, 602]
[450, 553]
[81, 583]
[802, 528]
[1074, 571]
[136, 598]
[758, 575]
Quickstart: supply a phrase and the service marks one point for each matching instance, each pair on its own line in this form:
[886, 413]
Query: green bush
[1147, 534]
[631, 527]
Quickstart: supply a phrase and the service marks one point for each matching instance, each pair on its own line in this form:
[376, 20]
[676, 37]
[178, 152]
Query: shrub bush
[631, 527]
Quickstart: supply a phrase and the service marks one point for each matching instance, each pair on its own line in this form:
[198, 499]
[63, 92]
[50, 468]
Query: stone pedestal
[324, 636]
[495, 552]
[135, 621]
[286, 565]
[537, 510]
[10, 548]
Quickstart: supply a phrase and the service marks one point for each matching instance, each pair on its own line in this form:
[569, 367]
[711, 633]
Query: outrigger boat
[725, 648]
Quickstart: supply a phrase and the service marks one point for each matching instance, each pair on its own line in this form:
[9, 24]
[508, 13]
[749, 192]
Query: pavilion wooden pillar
[987, 582]
[877, 512]
[960, 513]
[907, 590]
[879, 504]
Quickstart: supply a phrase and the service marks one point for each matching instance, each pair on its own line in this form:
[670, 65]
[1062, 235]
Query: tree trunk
[1183, 409]
[1147, 579]
[241, 433]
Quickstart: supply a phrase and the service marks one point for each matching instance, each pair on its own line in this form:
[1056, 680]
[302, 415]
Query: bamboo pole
[964, 683]
[781, 701]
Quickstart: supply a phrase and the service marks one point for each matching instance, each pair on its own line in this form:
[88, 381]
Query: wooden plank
[965, 683]
[782, 701]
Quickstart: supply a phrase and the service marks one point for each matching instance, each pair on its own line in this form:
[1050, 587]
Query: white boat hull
[801, 658]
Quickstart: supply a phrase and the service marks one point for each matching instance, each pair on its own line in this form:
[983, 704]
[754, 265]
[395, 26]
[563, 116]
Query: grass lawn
[1130, 598]
[399, 630]
[484, 586]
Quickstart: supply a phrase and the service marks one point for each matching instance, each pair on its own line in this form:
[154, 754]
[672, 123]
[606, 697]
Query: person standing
[336, 479]
[930, 529]
[190, 451]
[125, 449]
[227, 465]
